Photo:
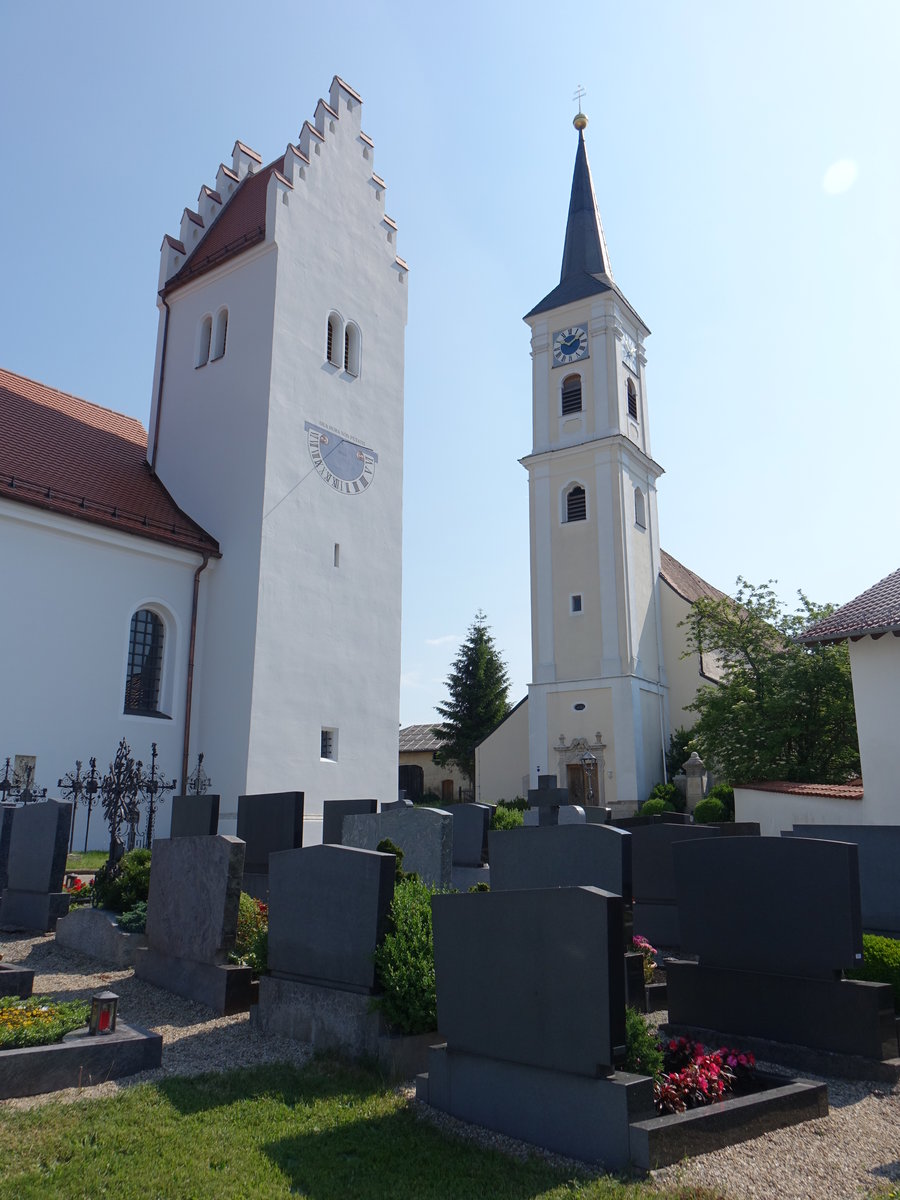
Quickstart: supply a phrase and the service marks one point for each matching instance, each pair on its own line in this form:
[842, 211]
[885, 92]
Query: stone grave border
[16, 980]
[79, 1060]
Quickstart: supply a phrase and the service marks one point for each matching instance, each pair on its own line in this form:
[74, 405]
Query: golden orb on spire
[580, 120]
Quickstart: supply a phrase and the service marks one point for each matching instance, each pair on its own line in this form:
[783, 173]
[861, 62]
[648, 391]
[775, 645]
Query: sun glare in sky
[840, 176]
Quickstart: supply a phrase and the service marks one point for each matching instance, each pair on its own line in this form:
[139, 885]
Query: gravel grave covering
[852, 1151]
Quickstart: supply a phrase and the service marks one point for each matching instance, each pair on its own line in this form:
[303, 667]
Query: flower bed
[38, 1021]
[693, 1076]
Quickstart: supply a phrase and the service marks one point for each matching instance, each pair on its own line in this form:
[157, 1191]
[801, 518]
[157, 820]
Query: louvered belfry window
[632, 401]
[576, 505]
[571, 395]
[145, 657]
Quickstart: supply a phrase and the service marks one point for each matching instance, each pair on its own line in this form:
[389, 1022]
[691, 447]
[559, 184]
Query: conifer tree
[478, 685]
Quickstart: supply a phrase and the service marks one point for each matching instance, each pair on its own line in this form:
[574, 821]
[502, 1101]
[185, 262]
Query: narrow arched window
[145, 660]
[204, 339]
[639, 511]
[351, 349]
[632, 400]
[221, 333]
[571, 395]
[576, 504]
[333, 340]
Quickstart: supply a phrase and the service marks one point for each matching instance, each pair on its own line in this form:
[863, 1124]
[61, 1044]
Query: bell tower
[598, 679]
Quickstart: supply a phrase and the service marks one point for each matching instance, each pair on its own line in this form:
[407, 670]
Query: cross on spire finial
[580, 120]
[579, 92]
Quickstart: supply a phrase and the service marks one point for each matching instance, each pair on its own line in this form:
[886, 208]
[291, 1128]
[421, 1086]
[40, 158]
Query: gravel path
[847, 1154]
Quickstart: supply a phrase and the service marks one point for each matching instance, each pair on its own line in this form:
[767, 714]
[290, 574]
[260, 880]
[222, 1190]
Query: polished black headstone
[879, 870]
[194, 816]
[38, 846]
[7, 812]
[533, 977]
[333, 813]
[543, 856]
[784, 906]
[651, 858]
[269, 822]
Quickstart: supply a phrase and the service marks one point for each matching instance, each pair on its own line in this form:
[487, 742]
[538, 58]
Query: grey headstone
[268, 822]
[547, 797]
[784, 906]
[194, 816]
[879, 870]
[195, 890]
[38, 846]
[597, 816]
[425, 835]
[552, 963]
[7, 812]
[651, 858]
[333, 813]
[561, 856]
[470, 827]
[571, 814]
[328, 911]
[390, 805]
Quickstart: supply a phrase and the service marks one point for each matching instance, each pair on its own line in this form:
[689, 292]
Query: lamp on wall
[589, 765]
[103, 1012]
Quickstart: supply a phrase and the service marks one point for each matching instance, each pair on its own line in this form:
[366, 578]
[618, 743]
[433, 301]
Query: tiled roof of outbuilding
[839, 791]
[418, 739]
[875, 612]
[68, 456]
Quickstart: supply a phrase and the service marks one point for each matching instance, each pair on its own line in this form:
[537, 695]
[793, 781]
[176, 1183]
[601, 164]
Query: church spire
[585, 247]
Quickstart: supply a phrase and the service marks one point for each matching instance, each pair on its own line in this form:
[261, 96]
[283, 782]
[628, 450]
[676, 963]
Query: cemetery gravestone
[192, 913]
[561, 856]
[879, 870]
[783, 922]
[470, 833]
[7, 812]
[425, 835]
[33, 898]
[537, 1063]
[653, 877]
[333, 813]
[195, 816]
[267, 822]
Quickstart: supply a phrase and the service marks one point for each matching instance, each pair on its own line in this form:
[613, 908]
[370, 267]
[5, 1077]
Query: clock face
[569, 345]
[343, 465]
[629, 351]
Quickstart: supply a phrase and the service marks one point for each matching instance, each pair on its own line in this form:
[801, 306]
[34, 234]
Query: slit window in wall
[576, 504]
[337, 554]
[145, 659]
[333, 340]
[640, 518]
[576, 603]
[328, 750]
[351, 349]
[571, 395]
[221, 334]
[204, 340]
[632, 400]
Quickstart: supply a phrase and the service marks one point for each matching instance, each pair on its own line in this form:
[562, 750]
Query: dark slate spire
[585, 249]
[585, 265]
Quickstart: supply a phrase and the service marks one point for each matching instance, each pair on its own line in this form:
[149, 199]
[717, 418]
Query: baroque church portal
[607, 674]
[230, 582]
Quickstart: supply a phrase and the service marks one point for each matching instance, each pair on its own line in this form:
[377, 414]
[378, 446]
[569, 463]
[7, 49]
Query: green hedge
[881, 963]
[404, 962]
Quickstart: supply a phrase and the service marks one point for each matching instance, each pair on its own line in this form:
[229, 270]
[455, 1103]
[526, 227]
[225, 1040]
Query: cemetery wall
[875, 667]
[778, 810]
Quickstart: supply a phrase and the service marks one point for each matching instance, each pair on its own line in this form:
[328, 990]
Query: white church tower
[599, 687]
[277, 423]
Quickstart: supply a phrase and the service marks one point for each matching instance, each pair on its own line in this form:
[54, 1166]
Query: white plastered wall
[875, 668]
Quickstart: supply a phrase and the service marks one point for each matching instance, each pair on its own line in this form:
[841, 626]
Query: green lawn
[93, 860]
[326, 1132]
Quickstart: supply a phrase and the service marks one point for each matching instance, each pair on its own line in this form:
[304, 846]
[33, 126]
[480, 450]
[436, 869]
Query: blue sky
[767, 272]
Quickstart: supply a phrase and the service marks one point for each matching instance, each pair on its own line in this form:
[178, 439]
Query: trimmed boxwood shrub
[881, 963]
[129, 886]
[251, 943]
[669, 793]
[654, 806]
[710, 809]
[725, 793]
[642, 1053]
[506, 816]
[404, 962]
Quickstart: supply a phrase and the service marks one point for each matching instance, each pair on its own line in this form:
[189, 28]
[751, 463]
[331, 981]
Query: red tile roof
[68, 456]
[241, 224]
[838, 791]
[419, 738]
[875, 612]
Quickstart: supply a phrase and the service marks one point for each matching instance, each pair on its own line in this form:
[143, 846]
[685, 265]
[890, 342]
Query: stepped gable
[232, 217]
[69, 456]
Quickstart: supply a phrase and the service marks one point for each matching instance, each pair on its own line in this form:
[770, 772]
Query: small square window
[329, 745]
[576, 604]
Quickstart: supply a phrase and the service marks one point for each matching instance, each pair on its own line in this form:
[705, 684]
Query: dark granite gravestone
[773, 921]
[879, 870]
[328, 911]
[7, 812]
[561, 856]
[389, 805]
[655, 910]
[267, 822]
[668, 818]
[425, 835]
[192, 913]
[33, 898]
[536, 1063]
[470, 831]
[194, 816]
[333, 813]
[597, 816]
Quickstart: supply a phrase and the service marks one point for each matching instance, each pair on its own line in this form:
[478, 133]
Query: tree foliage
[784, 710]
[478, 685]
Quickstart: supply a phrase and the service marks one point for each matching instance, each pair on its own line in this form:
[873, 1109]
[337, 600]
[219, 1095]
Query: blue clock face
[569, 345]
[343, 465]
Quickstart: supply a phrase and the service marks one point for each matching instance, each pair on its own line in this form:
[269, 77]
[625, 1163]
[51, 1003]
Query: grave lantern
[103, 1012]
